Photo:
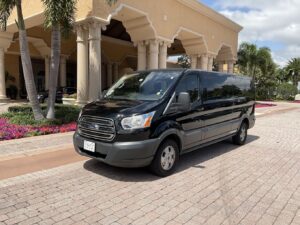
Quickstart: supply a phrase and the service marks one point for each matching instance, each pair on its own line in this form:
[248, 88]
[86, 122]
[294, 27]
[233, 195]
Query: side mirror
[184, 101]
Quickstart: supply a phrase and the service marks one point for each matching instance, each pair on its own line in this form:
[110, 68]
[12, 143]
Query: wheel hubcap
[168, 158]
[243, 133]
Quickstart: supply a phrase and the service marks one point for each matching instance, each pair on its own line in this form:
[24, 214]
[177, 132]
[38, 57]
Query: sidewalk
[280, 107]
[4, 106]
[35, 145]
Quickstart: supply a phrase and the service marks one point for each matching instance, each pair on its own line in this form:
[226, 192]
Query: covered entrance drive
[109, 42]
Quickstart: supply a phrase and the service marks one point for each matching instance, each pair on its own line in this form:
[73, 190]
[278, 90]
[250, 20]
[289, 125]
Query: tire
[169, 152]
[241, 136]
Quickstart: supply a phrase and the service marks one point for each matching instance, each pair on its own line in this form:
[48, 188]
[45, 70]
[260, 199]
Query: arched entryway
[225, 59]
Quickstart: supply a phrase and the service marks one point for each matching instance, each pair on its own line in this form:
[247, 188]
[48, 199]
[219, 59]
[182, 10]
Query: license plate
[89, 146]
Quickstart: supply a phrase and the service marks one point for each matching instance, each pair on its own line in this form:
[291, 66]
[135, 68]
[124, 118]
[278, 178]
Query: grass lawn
[19, 122]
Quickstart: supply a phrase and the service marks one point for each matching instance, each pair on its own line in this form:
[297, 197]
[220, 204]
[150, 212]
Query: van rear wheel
[241, 136]
[166, 158]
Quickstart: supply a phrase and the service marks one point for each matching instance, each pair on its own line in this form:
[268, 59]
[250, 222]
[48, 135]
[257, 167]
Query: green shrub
[286, 91]
[18, 109]
[7, 115]
[22, 115]
[33, 133]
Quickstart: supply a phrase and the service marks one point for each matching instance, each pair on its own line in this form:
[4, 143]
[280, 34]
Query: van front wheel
[241, 136]
[166, 158]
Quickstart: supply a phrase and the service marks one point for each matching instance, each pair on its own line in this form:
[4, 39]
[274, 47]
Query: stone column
[47, 72]
[2, 76]
[94, 61]
[63, 71]
[116, 72]
[163, 54]
[109, 74]
[204, 62]
[194, 60]
[82, 66]
[220, 66]
[142, 55]
[230, 66]
[153, 54]
[210, 63]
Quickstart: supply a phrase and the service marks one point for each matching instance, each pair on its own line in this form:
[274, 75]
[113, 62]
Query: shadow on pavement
[192, 159]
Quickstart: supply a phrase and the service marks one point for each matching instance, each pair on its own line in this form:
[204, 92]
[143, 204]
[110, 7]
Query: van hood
[119, 108]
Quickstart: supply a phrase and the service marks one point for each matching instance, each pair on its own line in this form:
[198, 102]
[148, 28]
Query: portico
[5, 40]
[131, 35]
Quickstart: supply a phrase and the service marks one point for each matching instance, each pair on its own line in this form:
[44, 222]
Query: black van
[150, 118]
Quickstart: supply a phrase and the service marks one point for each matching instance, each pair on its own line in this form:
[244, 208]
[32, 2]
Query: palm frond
[60, 12]
[6, 7]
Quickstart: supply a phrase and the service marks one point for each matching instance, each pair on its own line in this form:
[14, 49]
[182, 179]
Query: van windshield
[145, 86]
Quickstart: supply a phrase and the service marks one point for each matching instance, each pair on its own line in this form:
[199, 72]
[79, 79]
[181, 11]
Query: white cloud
[273, 22]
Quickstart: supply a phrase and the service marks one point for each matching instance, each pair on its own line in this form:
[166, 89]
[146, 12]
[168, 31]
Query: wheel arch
[175, 138]
[246, 120]
[173, 134]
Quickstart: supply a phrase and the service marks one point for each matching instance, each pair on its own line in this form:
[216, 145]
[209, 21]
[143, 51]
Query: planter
[69, 101]
[297, 97]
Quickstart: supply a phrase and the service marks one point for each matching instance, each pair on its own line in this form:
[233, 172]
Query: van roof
[199, 70]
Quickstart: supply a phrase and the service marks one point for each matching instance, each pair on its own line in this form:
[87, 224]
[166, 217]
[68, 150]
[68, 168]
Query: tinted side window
[219, 86]
[189, 83]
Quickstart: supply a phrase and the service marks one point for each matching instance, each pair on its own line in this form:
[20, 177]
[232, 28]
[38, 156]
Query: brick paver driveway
[258, 183]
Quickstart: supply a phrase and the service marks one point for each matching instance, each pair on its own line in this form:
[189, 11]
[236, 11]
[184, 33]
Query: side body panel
[224, 102]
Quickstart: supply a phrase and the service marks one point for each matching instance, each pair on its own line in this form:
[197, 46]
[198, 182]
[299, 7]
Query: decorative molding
[227, 54]
[135, 23]
[30, 21]
[210, 13]
[117, 41]
[40, 45]
[92, 19]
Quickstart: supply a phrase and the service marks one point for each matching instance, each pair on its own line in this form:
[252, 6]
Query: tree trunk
[54, 67]
[27, 66]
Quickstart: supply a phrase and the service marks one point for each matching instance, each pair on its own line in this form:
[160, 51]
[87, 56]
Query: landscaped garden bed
[263, 105]
[18, 122]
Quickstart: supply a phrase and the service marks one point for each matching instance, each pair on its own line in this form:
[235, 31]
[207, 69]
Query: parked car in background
[43, 95]
[150, 118]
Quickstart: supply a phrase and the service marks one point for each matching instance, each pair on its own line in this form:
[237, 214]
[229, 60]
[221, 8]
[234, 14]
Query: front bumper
[121, 154]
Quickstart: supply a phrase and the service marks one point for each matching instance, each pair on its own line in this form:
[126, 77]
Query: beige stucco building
[108, 42]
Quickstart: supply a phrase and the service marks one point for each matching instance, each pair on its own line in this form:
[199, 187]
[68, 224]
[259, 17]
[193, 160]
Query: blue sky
[268, 23]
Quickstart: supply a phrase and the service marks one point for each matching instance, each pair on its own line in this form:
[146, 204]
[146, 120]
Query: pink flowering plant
[10, 131]
[19, 123]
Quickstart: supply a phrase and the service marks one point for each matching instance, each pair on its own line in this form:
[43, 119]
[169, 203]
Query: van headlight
[137, 122]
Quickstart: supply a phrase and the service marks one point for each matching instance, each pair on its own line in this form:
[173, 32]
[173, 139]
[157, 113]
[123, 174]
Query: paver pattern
[40, 143]
[258, 183]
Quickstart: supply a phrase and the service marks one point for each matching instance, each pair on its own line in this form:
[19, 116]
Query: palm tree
[59, 16]
[293, 69]
[255, 61]
[6, 7]
[258, 63]
[247, 58]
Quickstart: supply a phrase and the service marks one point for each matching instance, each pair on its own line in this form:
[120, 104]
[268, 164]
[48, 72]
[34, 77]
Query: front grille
[97, 128]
